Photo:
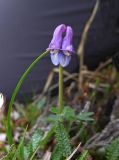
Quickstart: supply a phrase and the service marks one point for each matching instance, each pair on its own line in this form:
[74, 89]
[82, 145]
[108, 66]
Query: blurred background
[26, 29]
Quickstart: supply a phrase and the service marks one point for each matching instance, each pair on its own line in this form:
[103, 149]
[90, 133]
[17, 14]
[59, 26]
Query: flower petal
[64, 60]
[55, 58]
[67, 41]
[56, 41]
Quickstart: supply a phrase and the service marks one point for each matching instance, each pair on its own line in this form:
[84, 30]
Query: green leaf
[54, 110]
[85, 116]
[53, 118]
[62, 140]
[10, 154]
[84, 155]
[33, 144]
[41, 103]
[19, 154]
[57, 154]
[112, 152]
[68, 113]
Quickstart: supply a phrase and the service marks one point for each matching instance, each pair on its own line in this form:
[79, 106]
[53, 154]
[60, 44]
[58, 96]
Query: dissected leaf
[68, 113]
[41, 103]
[112, 152]
[33, 144]
[85, 116]
[84, 155]
[57, 154]
[62, 140]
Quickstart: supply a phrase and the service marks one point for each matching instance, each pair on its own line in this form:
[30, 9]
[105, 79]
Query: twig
[103, 65]
[65, 80]
[80, 51]
[49, 81]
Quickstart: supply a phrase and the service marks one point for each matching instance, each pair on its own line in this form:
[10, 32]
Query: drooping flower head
[61, 47]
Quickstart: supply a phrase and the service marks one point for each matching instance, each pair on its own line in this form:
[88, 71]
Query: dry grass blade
[74, 152]
[47, 155]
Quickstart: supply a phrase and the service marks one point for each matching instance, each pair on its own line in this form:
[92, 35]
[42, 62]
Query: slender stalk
[9, 129]
[45, 140]
[60, 89]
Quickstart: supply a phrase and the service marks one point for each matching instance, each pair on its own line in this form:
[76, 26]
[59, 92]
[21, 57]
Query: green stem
[9, 130]
[60, 89]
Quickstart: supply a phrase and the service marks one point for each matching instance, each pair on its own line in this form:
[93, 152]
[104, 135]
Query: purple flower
[67, 48]
[61, 47]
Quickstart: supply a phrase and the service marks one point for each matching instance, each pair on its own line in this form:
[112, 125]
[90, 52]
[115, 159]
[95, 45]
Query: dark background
[26, 28]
